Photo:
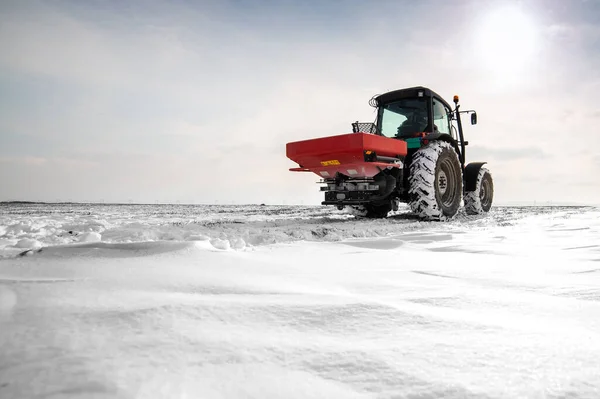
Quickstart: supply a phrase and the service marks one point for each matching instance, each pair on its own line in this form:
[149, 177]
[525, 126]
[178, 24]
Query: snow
[27, 243]
[90, 237]
[297, 302]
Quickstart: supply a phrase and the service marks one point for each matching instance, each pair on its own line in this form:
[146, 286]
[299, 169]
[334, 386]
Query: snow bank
[246, 227]
[27, 243]
[90, 237]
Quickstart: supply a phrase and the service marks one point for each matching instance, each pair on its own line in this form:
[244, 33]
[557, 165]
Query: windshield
[404, 118]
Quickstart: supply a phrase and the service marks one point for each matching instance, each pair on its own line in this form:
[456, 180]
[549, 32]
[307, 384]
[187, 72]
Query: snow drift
[297, 302]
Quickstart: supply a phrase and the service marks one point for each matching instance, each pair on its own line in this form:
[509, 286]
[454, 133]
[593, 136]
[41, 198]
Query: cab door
[441, 118]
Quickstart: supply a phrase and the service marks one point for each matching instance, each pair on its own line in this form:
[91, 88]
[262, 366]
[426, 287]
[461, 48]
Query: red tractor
[414, 153]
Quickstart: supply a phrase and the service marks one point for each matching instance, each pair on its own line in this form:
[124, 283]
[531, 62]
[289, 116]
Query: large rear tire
[480, 200]
[435, 182]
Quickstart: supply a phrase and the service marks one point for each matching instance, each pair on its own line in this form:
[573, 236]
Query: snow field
[504, 306]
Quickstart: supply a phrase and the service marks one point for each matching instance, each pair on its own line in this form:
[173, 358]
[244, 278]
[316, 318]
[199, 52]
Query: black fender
[439, 136]
[443, 137]
[471, 173]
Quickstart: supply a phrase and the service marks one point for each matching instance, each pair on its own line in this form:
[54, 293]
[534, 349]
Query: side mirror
[474, 118]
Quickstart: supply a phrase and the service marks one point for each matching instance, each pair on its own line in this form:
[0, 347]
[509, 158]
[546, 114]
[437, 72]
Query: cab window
[404, 118]
[440, 117]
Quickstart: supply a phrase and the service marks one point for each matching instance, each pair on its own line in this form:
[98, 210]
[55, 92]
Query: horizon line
[179, 203]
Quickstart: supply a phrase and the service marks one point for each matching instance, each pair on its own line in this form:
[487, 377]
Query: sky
[194, 101]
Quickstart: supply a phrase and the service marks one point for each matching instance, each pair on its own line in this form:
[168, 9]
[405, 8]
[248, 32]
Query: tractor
[413, 153]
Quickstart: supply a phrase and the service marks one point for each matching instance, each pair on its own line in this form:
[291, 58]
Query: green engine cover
[413, 142]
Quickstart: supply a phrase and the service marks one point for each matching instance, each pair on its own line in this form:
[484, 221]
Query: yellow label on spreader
[329, 163]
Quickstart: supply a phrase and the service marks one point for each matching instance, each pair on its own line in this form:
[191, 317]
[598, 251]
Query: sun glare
[506, 42]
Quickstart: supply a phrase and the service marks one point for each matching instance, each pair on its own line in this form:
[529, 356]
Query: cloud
[27, 160]
[510, 153]
[185, 100]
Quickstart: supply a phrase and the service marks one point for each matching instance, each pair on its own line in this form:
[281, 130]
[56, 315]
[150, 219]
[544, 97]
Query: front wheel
[480, 200]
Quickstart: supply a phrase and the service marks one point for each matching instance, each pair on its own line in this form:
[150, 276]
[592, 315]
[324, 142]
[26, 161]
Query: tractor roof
[409, 92]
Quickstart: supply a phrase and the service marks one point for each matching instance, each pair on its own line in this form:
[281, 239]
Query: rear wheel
[480, 200]
[435, 182]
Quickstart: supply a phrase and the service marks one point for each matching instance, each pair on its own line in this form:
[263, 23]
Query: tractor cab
[418, 115]
[408, 113]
